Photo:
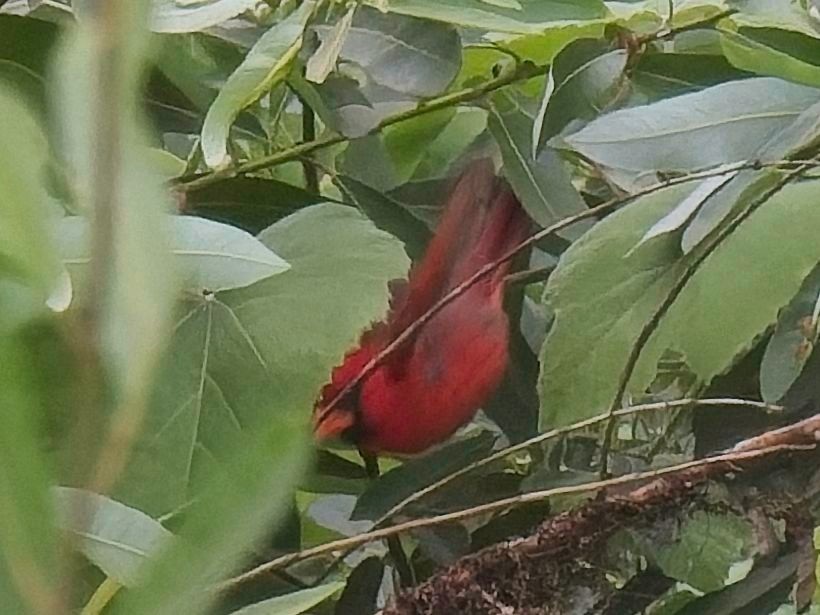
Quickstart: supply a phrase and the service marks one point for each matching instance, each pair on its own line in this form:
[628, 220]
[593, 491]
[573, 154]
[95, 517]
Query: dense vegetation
[202, 204]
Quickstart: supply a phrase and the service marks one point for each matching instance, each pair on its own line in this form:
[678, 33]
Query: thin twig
[486, 270]
[732, 457]
[652, 324]
[521, 73]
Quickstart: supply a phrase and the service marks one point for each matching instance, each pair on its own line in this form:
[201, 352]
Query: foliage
[202, 205]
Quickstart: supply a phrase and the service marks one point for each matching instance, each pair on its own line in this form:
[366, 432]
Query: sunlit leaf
[176, 16]
[294, 603]
[266, 64]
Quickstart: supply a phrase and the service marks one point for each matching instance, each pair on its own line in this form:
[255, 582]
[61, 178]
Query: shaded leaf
[294, 603]
[399, 483]
[793, 341]
[581, 82]
[543, 186]
[266, 64]
[362, 588]
[118, 539]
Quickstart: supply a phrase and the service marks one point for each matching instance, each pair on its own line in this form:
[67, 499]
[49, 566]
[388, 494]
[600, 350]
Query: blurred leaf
[238, 502]
[266, 64]
[401, 482]
[119, 540]
[105, 150]
[582, 81]
[707, 548]
[533, 16]
[211, 256]
[292, 604]
[324, 59]
[721, 124]
[793, 341]
[28, 554]
[240, 359]
[28, 256]
[742, 50]
[176, 16]
[544, 186]
[28, 42]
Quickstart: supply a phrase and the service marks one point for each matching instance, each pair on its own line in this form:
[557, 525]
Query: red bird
[434, 383]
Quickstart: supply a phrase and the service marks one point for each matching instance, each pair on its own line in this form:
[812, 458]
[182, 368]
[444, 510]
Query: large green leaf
[239, 359]
[119, 540]
[533, 16]
[721, 124]
[266, 64]
[792, 342]
[602, 292]
[603, 299]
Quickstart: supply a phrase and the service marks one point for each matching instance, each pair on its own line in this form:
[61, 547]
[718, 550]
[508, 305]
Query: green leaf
[238, 502]
[404, 54]
[175, 16]
[324, 59]
[803, 133]
[707, 548]
[602, 293]
[241, 358]
[266, 64]
[28, 554]
[582, 81]
[403, 481]
[425, 147]
[211, 256]
[388, 215]
[742, 50]
[25, 243]
[534, 15]
[721, 124]
[543, 186]
[119, 540]
[292, 604]
[791, 16]
[793, 340]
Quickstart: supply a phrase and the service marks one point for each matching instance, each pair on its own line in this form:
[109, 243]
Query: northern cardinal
[436, 381]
